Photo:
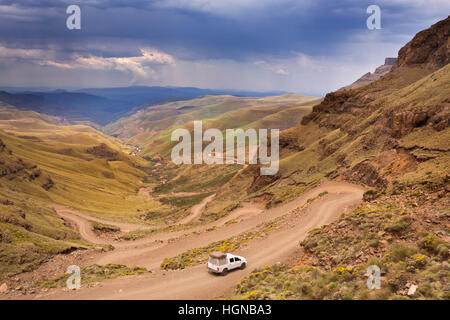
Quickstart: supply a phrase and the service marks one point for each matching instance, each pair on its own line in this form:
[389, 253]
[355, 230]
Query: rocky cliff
[429, 48]
[371, 77]
[393, 121]
[393, 135]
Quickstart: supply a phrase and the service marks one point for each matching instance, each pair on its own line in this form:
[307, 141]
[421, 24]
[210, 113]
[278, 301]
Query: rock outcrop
[13, 167]
[371, 77]
[9, 164]
[374, 120]
[429, 48]
[103, 151]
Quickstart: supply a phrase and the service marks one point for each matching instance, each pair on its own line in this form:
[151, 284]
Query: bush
[398, 224]
[4, 236]
[431, 243]
[399, 252]
[370, 195]
[420, 260]
[93, 273]
[102, 227]
[442, 251]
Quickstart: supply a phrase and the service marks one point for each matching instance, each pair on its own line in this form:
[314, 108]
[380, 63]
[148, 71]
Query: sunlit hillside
[151, 128]
[45, 164]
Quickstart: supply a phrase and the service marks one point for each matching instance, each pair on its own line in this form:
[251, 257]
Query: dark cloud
[242, 31]
[191, 31]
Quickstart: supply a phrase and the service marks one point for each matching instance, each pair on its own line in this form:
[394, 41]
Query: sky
[301, 46]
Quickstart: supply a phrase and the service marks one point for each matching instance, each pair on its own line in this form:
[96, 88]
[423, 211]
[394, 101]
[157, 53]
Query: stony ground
[406, 234]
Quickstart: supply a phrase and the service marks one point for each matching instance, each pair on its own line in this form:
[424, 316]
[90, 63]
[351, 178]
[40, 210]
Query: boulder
[3, 288]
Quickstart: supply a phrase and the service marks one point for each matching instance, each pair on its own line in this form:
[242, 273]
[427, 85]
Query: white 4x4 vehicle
[220, 262]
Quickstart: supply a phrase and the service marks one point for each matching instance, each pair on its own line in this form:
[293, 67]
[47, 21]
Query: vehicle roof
[218, 254]
[229, 255]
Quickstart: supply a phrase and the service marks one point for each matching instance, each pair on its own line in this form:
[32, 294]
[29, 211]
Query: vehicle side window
[231, 259]
[237, 259]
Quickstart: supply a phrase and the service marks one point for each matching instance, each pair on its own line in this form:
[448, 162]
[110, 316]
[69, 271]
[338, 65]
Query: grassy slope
[363, 134]
[342, 143]
[217, 112]
[392, 134]
[43, 164]
[245, 118]
[151, 128]
[29, 230]
[404, 231]
[104, 186]
[403, 239]
[8, 112]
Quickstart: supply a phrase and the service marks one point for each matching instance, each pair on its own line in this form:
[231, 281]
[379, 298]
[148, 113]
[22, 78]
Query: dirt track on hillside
[195, 282]
[197, 210]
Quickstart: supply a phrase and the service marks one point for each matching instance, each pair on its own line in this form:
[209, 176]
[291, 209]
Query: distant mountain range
[104, 105]
[371, 77]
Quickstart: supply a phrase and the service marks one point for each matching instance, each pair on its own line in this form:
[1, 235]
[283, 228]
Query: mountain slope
[43, 164]
[100, 106]
[393, 135]
[75, 107]
[29, 231]
[390, 134]
[141, 96]
[151, 128]
[8, 112]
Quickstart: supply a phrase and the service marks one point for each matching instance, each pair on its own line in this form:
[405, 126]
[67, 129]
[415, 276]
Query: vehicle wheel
[225, 272]
[243, 265]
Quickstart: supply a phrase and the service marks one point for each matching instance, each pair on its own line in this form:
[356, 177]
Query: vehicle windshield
[217, 262]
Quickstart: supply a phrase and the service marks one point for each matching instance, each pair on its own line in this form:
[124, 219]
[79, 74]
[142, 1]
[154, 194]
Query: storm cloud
[298, 46]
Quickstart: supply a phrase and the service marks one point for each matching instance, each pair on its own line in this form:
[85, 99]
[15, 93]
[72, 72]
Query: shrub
[370, 195]
[399, 252]
[420, 260]
[398, 224]
[93, 273]
[431, 243]
[102, 227]
[442, 251]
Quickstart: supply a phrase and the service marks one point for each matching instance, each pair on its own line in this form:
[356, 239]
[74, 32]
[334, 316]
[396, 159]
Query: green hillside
[45, 164]
[392, 135]
[151, 128]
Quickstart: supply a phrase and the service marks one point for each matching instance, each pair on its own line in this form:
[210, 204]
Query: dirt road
[195, 282]
[197, 210]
